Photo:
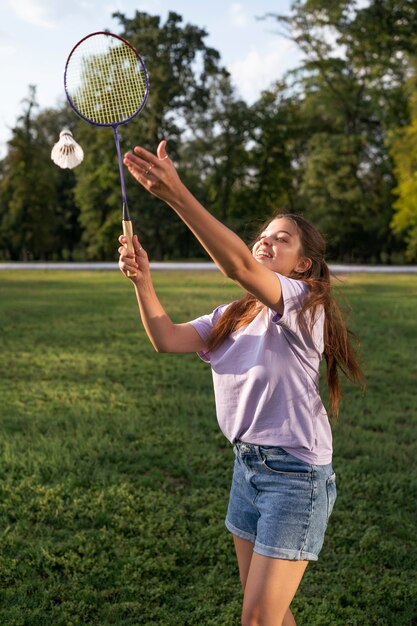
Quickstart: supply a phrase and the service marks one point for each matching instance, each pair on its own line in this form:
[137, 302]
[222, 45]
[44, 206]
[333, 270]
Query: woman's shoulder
[295, 286]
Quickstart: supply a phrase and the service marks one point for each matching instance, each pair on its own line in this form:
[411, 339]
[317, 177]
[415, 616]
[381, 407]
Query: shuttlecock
[67, 153]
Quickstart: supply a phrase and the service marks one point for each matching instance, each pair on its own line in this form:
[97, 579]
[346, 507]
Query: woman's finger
[145, 156]
[125, 253]
[131, 160]
[144, 160]
[161, 151]
[139, 165]
[128, 266]
[136, 244]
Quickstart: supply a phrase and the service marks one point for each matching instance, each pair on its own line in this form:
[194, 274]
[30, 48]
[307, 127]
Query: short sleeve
[294, 293]
[204, 325]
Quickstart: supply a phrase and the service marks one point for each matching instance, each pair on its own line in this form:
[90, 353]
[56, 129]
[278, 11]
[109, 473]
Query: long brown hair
[339, 352]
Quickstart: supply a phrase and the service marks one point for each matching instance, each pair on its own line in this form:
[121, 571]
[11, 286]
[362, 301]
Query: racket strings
[106, 80]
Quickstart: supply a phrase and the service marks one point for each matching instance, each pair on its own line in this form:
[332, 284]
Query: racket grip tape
[128, 232]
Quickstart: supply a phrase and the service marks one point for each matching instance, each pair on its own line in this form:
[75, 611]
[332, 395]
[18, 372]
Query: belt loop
[259, 453]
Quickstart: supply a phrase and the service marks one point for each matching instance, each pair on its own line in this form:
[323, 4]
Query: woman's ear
[303, 265]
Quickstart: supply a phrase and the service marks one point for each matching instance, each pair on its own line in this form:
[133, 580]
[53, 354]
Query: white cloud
[46, 13]
[238, 16]
[7, 48]
[32, 11]
[260, 68]
[128, 7]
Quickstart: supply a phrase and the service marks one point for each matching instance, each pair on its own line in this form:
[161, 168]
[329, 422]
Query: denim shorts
[280, 503]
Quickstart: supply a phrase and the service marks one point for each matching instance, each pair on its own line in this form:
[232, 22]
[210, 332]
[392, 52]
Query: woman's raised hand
[156, 174]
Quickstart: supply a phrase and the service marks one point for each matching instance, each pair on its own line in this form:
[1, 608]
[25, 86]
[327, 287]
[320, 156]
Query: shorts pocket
[331, 494]
[285, 464]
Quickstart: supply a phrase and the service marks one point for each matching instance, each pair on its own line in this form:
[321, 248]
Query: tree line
[335, 139]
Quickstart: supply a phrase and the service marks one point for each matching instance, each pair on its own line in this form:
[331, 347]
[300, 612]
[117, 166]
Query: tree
[276, 151]
[332, 140]
[180, 67]
[215, 152]
[404, 152]
[26, 190]
[38, 212]
[352, 84]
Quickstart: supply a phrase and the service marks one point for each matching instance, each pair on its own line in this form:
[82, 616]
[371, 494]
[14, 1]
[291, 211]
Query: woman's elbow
[160, 348]
[157, 343]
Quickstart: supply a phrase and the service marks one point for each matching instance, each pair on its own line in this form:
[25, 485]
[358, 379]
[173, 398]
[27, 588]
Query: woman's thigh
[244, 553]
[270, 587]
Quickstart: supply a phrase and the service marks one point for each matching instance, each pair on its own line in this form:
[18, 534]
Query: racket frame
[114, 125]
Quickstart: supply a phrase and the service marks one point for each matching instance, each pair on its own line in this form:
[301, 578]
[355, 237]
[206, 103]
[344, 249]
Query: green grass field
[115, 477]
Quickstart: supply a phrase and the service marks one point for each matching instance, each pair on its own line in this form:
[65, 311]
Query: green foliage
[27, 204]
[352, 84]
[404, 152]
[97, 191]
[275, 157]
[115, 477]
[317, 142]
[217, 148]
[179, 63]
[180, 67]
[38, 214]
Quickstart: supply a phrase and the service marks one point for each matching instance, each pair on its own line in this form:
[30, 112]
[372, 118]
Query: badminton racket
[107, 84]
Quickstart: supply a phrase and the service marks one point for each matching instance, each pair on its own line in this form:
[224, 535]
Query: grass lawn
[115, 476]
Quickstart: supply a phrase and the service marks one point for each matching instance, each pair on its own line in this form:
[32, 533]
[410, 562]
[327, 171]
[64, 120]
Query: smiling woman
[265, 351]
[279, 246]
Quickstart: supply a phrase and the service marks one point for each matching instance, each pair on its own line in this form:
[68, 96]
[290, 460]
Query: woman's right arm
[164, 335]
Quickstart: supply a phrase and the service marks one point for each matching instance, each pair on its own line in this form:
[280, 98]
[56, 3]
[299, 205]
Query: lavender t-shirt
[265, 378]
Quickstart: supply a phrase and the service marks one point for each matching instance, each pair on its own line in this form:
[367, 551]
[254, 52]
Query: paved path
[103, 266]
[337, 269]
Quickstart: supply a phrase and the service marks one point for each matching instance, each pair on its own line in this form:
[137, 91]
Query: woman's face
[279, 247]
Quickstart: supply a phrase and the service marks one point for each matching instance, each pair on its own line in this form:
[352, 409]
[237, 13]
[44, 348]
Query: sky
[36, 37]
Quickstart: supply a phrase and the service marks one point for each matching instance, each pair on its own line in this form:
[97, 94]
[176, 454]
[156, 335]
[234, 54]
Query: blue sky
[36, 37]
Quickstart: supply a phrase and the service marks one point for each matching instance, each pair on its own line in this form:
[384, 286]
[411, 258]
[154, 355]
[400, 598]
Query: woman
[265, 352]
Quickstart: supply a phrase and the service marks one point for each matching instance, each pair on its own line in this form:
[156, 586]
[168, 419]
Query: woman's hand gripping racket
[107, 84]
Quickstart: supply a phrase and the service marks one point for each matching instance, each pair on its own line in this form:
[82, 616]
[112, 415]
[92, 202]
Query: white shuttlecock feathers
[66, 152]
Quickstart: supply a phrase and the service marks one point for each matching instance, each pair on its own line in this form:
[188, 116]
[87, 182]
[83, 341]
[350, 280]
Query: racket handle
[128, 232]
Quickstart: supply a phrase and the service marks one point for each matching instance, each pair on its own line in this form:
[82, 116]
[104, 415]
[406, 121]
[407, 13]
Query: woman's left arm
[158, 175]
